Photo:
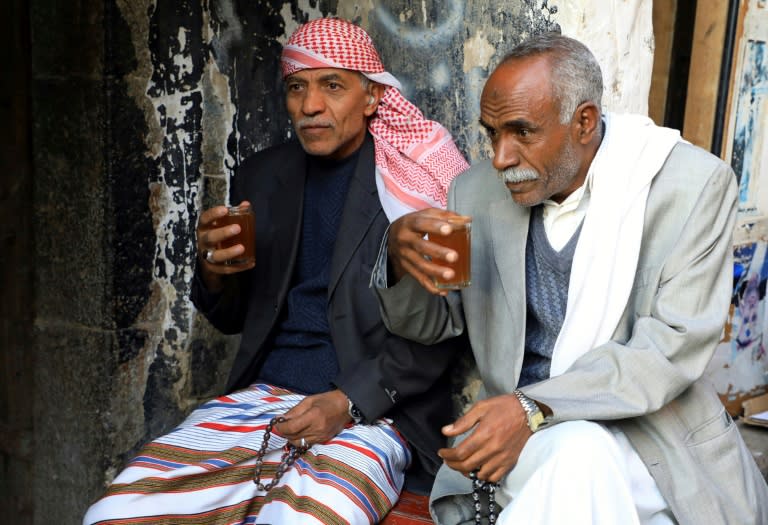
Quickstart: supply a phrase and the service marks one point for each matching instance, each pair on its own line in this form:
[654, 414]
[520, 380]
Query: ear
[586, 120]
[375, 92]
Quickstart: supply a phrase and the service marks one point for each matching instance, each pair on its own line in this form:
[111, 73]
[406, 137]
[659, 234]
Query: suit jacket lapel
[360, 209]
[509, 231]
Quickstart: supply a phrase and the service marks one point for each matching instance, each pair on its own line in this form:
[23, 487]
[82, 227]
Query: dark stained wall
[16, 265]
[74, 330]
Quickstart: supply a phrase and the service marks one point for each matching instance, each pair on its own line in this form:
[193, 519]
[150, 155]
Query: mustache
[515, 175]
[309, 122]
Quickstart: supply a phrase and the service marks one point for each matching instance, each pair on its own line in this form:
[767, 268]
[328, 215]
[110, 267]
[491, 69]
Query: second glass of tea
[459, 240]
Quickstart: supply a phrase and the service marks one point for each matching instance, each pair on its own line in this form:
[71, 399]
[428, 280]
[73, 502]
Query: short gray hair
[576, 75]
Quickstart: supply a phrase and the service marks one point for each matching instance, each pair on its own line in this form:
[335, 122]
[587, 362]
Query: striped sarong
[202, 471]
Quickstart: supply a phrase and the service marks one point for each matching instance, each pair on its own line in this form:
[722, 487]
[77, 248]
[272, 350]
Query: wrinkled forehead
[528, 74]
[519, 113]
[517, 85]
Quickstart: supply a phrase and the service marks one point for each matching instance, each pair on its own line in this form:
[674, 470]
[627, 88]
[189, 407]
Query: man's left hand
[494, 446]
[317, 418]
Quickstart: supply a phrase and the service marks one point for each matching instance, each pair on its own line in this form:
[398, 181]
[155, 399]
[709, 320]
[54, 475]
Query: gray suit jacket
[647, 379]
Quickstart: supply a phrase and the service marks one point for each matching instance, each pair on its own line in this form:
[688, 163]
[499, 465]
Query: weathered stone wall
[140, 110]
[74, 336]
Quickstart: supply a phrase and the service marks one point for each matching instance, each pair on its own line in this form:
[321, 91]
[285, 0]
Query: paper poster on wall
[739, 368]
[750, 140]
[747, 127]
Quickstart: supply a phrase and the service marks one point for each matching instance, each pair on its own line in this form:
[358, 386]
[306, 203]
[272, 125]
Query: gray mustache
[515, 175]
[307, 122]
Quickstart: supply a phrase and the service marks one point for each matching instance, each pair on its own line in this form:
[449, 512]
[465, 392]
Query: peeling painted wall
[178, 93]
[739, 368]
[620, 34]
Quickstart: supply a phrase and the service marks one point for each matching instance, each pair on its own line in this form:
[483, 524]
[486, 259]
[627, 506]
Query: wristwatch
[532, 411]
[355, 413]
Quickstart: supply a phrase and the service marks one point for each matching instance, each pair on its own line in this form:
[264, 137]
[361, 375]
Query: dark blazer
[383, 374]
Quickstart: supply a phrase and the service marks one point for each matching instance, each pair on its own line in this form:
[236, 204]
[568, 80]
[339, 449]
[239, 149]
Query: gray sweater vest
[547, 273]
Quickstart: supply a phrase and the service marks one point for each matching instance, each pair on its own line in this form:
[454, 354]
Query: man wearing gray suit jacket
[601, 277]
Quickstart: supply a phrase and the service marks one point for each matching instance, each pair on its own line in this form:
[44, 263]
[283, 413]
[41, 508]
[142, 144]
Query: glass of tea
[459, 240]
[242, 215]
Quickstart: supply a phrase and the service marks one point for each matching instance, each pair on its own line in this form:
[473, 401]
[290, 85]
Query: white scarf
[632, 152]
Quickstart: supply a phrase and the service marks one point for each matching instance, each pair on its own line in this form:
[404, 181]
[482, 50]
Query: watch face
[355, 413]
[535, 420]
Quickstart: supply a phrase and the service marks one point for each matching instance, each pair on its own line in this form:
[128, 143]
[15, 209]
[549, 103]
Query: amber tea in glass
[242, 215]
[459, 240]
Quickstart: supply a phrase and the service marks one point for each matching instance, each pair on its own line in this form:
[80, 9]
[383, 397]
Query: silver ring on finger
[303, 443]
[209, 256]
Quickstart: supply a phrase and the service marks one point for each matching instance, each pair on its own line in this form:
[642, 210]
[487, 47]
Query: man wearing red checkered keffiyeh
[416, 158]
[363, 407]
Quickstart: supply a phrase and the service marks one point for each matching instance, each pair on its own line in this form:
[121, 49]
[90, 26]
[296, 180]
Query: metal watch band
[532, 411]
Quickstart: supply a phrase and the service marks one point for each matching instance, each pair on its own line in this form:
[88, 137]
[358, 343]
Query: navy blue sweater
[303, 357]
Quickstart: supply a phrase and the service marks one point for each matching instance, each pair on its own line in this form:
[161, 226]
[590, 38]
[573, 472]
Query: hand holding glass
[458, 240]
[242, 216]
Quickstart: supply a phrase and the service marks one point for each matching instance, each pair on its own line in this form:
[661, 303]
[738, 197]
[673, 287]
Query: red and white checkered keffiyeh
[416, 158]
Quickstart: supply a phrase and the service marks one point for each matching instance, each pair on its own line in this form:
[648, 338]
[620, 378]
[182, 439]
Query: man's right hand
[409, 252]
[213, 260]
[499, 433]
